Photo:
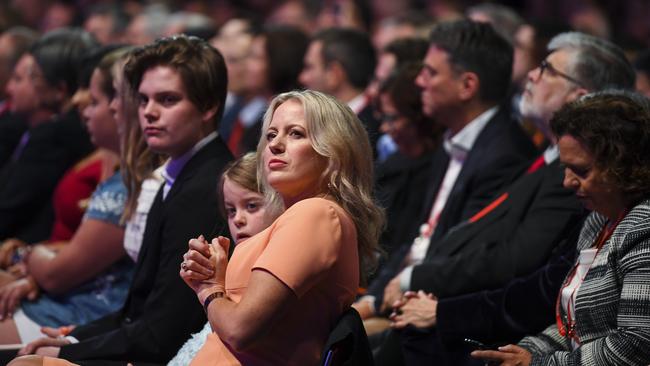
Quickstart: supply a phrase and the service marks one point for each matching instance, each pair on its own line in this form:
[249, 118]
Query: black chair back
[347, 344]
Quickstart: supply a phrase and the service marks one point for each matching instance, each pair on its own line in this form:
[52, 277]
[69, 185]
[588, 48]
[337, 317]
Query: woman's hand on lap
[509, 355]
[12, 293]
[204, 269]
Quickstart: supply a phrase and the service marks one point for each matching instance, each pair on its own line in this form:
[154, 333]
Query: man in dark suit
[161, 311]
[531, 230]
[518, 235]
[465, 76]
[341, 62]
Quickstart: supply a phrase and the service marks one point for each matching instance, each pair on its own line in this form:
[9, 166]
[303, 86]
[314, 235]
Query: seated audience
[44, 80]
[306, 267]
[401, 180]
[402, 24]
[72, 193]
[341, 62]
[245, 207]
[234, 42]
[272, 67]
[603, 306]
[464, 80]
[14, 42]
[533, 222]
[178, 121]
[89, 276]
[395, 55]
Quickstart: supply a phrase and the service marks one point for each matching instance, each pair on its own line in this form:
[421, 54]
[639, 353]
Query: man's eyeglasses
[545, 65]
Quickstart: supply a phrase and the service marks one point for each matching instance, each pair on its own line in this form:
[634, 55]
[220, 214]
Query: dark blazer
[499, 154]
[11, 130]
[161, 311]
[400, 183]
[497, 317]
[501, 151]
[538, 216]
[514, 239]
[27, 183]
[526, 305]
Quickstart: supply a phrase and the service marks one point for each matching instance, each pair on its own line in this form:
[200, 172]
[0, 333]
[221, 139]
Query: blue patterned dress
[101, 295]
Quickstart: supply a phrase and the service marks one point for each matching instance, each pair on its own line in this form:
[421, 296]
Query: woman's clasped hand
[204, 269]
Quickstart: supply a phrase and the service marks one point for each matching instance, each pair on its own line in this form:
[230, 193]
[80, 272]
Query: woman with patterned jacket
[603, 309]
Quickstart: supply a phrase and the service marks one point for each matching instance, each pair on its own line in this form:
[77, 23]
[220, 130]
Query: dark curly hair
[614, 126]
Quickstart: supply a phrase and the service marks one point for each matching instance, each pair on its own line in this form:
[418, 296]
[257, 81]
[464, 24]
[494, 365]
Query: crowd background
[622, 21]
[455, 113]
[528, 24]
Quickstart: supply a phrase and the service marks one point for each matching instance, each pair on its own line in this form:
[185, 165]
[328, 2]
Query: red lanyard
[568, 328]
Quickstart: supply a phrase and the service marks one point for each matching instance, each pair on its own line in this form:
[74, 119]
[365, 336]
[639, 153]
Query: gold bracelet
[211, 297]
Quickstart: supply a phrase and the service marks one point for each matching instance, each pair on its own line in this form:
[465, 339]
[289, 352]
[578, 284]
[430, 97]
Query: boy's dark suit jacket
[161, 311]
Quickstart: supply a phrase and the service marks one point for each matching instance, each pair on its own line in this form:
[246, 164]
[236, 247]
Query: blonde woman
[277, 299]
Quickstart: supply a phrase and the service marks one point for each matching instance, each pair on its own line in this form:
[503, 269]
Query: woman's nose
[570, 181]
[276, 145]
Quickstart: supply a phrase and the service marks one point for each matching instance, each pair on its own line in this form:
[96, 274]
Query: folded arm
[94, 247]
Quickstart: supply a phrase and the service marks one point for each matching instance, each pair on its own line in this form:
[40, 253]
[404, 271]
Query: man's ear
[335, 75]
[210, 113]
[575, 94]
[469, 85]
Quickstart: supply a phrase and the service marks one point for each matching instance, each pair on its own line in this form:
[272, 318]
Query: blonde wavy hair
[337, 134]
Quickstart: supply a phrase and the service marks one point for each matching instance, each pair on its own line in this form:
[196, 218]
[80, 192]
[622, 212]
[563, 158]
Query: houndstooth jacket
[612, 306]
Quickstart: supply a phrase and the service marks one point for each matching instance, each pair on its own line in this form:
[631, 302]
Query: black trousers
[414, 347]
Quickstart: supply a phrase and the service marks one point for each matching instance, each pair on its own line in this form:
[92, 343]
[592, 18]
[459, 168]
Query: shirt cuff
[370, 301]
[405, 279]
[72, 339]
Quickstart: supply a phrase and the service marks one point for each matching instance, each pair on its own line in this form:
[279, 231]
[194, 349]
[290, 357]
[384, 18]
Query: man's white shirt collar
[461, 143]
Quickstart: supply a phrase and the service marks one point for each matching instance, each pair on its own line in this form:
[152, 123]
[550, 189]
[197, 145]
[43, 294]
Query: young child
[244, 206]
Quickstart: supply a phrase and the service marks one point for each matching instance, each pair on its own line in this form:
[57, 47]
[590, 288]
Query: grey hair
[194, 24]
[504, 19]
[156, 17]
[638, 98]
[597, 63]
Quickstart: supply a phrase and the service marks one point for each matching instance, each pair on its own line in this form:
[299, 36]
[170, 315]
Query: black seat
[347, 343]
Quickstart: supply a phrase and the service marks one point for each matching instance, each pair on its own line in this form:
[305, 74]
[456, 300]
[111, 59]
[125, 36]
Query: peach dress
[311, 248]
